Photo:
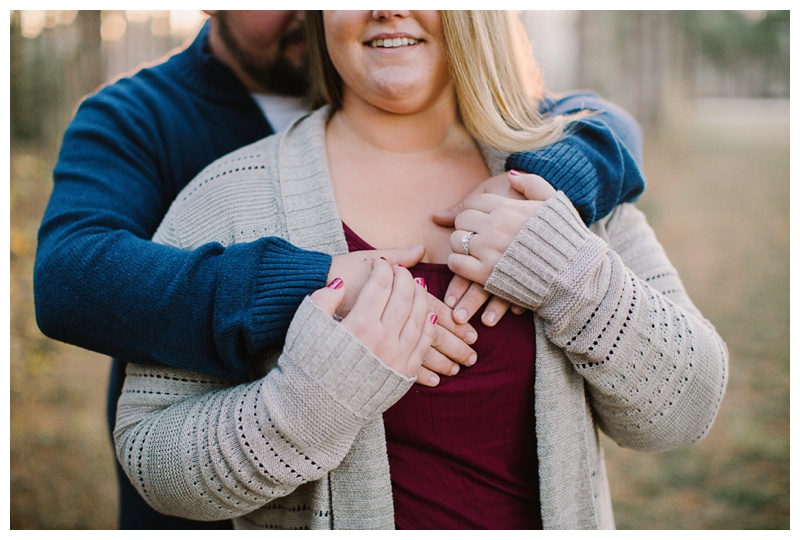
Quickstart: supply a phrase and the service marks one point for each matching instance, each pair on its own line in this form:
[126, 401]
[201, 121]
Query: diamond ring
[465, 242]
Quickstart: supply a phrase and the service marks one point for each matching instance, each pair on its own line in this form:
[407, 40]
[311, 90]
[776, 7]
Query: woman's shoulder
[237, 198]
[228, 192]
[255, 163]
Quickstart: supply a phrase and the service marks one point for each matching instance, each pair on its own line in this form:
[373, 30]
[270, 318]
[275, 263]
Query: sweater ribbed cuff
[285, 275]
[339, 363]
[566, 168]
[539, 253]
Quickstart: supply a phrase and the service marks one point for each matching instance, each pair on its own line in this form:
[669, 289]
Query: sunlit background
[711, 90]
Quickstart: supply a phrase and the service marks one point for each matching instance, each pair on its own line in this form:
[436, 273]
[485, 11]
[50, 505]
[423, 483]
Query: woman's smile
[392, 42]
[390, 60]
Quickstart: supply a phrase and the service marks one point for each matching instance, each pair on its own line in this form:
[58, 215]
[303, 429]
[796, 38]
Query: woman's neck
[435, 129]
[392, 172]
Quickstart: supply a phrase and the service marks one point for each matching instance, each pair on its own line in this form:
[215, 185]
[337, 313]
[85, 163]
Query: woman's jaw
[394, 62]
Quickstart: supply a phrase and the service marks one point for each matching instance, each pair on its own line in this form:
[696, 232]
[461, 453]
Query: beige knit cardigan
[619, 346]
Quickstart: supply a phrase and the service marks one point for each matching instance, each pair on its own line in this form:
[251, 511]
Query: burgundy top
[463, 455]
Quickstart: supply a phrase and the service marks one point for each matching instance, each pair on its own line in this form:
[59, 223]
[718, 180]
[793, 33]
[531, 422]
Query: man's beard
[280, 75]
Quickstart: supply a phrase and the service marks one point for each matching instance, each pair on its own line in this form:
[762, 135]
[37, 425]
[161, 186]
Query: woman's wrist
[545, 248]
[335, 360]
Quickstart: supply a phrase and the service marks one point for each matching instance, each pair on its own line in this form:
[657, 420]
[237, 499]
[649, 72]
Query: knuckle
[477, 294]
[439, 336]
[455, 263]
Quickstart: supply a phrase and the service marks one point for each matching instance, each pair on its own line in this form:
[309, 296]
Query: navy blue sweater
[101, 284]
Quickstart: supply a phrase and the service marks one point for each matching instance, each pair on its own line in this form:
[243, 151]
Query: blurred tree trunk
[17, 66]
[91, 50]
[636, 57]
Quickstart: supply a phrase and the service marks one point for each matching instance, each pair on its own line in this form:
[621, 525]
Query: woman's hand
[493, 222]
[451, 341]
[391, 316]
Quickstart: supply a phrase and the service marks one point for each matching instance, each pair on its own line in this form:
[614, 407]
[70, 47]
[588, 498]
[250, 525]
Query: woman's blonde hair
[496, 80]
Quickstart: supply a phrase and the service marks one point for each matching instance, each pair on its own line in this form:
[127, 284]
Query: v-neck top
[462, 455]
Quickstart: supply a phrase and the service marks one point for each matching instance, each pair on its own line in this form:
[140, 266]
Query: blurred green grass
[718, 197]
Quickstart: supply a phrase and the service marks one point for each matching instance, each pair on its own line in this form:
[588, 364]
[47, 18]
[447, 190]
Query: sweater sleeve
[598, 164]
[101, 284]
[202, 448]
[656, 369]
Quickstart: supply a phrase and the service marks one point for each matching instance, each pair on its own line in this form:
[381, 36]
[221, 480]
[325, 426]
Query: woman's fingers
[469, 267]
[476, 244]
[470, 303]
[391, 316]
[400, 300]
[375, 293]
[423, 335]
[456, 289]
[426, 377]
[533, 187]
[329, 298]
[495, 309]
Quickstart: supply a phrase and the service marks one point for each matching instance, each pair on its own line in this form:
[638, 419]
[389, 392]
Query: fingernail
[433, 318]
[336, 283]
[488, 318]
[450, 301]
[434, 380]
[454, 370]
[420, 281]
[472, 359]
[472, 337]
[514, 172]
[461, 315]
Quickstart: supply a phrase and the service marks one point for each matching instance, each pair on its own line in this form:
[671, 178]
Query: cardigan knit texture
[620, 347]
[99, 283]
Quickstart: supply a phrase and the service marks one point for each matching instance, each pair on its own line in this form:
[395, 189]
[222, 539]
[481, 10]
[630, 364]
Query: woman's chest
[392, 204]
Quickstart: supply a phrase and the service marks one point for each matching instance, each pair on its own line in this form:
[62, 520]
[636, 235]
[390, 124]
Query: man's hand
[451, 341]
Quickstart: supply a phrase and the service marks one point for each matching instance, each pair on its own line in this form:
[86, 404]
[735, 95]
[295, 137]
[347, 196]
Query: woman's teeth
[394, 42]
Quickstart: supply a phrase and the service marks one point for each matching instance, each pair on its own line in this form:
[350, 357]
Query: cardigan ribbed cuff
[542, 250]
[339, 363]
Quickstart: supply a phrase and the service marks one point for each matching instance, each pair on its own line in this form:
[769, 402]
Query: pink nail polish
[336, 283]
[514, 172]
[434, 318]
[420, 281]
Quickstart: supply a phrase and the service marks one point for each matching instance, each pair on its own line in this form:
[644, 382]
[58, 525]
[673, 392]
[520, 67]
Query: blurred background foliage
[711, 91]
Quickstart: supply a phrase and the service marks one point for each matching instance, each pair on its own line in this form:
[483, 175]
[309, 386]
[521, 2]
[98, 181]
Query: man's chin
[287, 78]
[295, 54]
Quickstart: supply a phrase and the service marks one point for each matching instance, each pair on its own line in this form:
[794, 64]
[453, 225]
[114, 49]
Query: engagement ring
[465, 242]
